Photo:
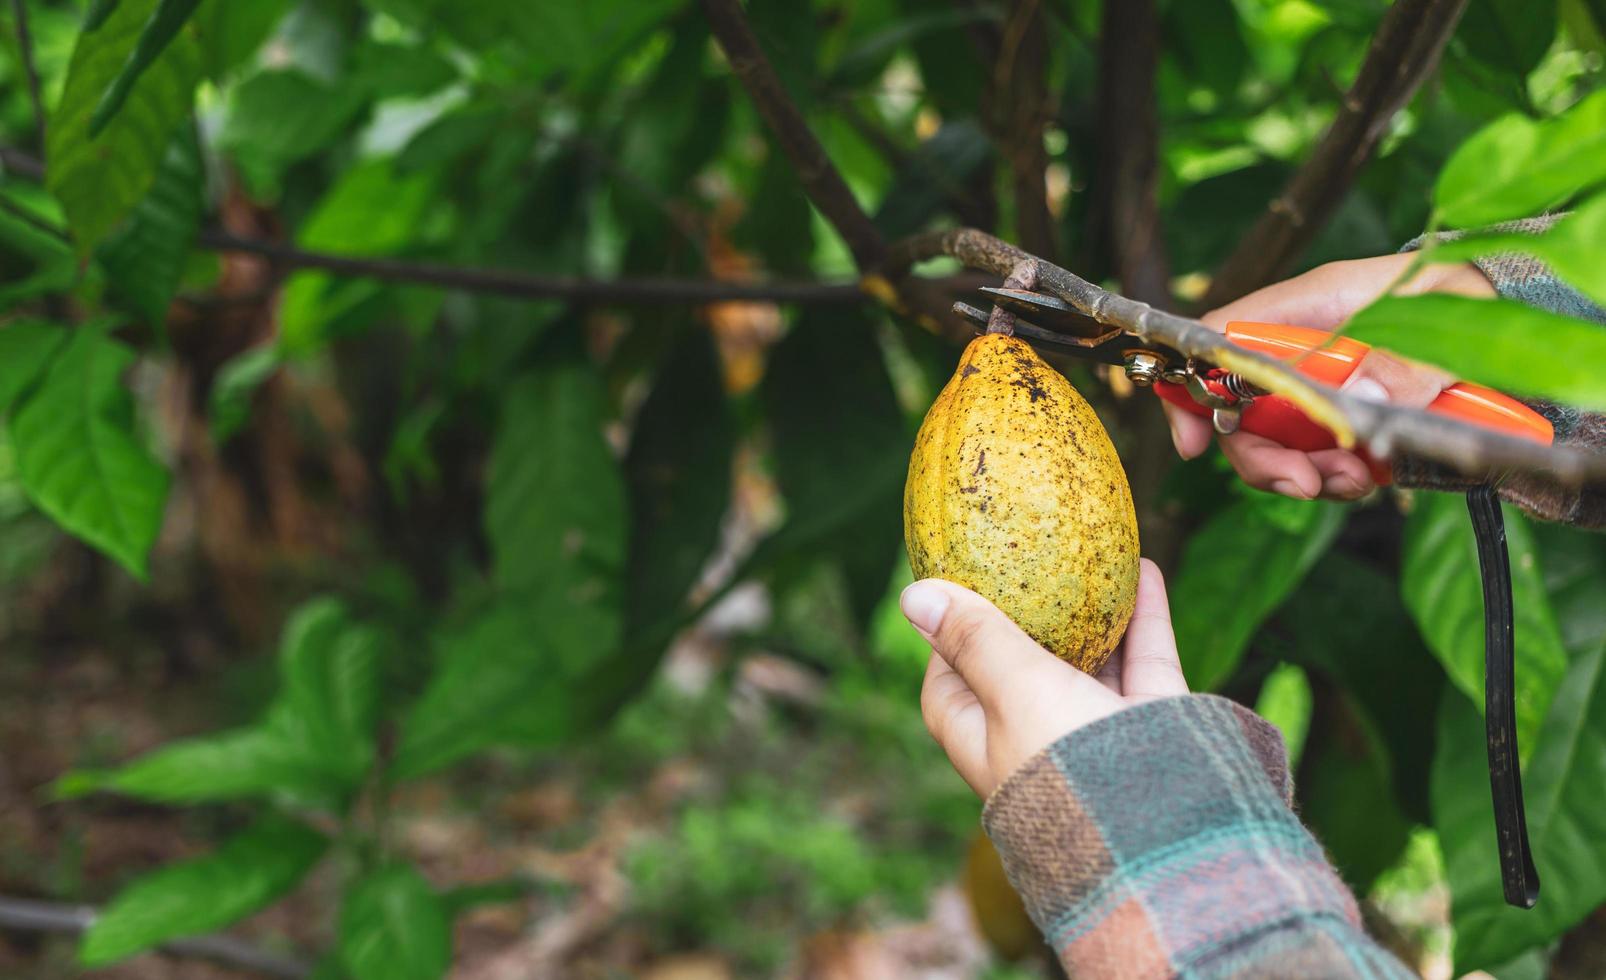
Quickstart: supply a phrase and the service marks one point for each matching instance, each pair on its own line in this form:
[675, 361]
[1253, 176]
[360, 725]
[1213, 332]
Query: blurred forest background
[450, 481]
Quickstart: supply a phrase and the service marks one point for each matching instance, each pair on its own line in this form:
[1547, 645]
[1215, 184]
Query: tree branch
[25, 914]
[1126, 210]
[820, 179]
[1384, 429]
[29, 69]
[523, 286]
[1402, 54]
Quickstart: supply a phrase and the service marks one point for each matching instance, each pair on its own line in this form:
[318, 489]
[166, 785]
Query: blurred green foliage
[550, 491]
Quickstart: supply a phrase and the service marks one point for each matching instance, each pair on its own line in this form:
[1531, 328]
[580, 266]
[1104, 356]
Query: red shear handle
[1276, 418]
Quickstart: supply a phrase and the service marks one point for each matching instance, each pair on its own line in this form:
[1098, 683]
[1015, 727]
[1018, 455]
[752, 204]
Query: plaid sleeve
[1527, 280]
[1158, 842]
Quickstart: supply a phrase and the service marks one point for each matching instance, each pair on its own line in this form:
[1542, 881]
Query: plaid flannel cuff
[1159, 840]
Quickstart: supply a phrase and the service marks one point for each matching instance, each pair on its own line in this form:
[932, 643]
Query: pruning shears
[1233, 404]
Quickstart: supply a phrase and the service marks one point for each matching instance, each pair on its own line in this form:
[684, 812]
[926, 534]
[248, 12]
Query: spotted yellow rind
[1015, 491]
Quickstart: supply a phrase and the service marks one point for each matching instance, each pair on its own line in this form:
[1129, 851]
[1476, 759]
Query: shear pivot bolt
[1142, 369]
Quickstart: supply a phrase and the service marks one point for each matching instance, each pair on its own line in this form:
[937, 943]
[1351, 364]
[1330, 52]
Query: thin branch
[520, 285]
[1019, 109]
[25, 47]
[1384, 429]
[30, 915]
[1402, 54]
[819, 176]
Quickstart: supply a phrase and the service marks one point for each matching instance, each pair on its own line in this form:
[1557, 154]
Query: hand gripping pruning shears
[1233, 405]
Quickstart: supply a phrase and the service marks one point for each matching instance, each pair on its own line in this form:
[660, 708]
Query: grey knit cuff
[1524, 278]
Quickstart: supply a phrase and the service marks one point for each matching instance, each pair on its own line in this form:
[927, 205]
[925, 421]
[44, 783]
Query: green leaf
[1348, 625]
[316, 741]
[1285, 701]
[1574, 566]
[229, 766]
[280, 117]
[498, 681]
[841, 460]
[1345, 794]
[394, 926]
[940, 170]
[234, 386]
[78, 457]
[679, 474]
[26, 346]
[193, 897]
[371, 211]
[1502, 343]
[1236, 571]
[330, 675]
[168, 19]
[144, 260]
[555, 504]
[555, 517]
[232, 32]
[1566, 823]
[99, 180]
[1442, 586]
[1511, 35]
[1516, 167]
[1572, 247]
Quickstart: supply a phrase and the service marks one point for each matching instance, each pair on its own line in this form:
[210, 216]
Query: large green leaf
[1574, 567]
[1442, 586]
[371, 210]
[315, 742]
[556, 518]
[1236, 571]
[1348, 624]
[232, 32]
[1574, 248]
[679, 473]
[555, 511]
[1566, 823]
[840, 459]
[165, 23]
[1494, 342]
[497, 681]
[1516, 167]
[79, 458]
[394, 926]
[246, 873]
[575, 38]
[99, 180]
[144, 259]
[1511, 35]
[1345, 790]
[282, 116]
[26, 346]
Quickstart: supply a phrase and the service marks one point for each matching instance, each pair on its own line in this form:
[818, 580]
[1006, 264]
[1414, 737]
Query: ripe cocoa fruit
[1015, 491]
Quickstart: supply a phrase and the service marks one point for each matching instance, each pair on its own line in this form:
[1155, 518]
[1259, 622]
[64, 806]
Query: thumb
[995, 657]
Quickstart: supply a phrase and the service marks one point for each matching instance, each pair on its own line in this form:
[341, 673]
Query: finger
[1345, 476]
[956, 721]
[994, 656]
[1189, 433]
[1150, 667]
[1267, 465]
[1383, 377]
